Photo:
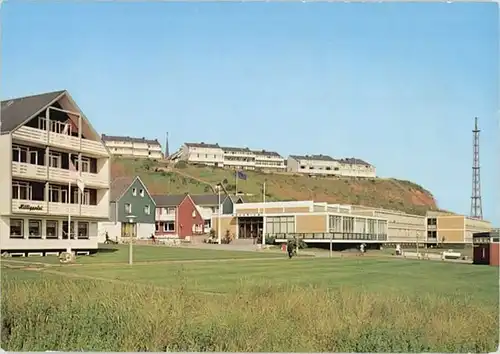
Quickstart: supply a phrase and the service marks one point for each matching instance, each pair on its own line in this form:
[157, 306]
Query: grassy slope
[385, 193]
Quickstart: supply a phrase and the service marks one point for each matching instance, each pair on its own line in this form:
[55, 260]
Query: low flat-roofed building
[304, 219]
[448, 228]
[324, 165]
[401, 227]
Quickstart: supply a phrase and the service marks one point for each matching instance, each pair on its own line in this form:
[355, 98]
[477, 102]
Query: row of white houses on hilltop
[246, 159]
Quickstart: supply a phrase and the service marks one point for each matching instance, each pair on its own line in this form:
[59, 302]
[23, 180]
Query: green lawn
[141, 253]
[372, 304]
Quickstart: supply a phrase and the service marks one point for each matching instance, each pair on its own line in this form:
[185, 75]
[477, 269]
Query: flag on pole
[241, 175]
[74, 175]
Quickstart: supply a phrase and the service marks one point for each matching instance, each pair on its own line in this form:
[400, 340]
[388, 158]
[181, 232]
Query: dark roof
[235, 198]
[168, 200]
[203, 145]
[266, 153]
[354, 161]
[118, 186]
[16, 111]
[207, 199]
[129, 139]
[236, 149]
[313, 157]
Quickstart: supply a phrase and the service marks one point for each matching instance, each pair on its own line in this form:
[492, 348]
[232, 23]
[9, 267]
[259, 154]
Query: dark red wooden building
[486, 248]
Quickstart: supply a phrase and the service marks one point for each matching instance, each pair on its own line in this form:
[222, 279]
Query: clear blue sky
[396, 84]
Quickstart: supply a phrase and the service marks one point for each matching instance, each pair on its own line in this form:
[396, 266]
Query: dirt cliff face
[377, 192]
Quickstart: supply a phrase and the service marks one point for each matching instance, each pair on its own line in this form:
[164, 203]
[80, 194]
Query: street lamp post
[131, 239]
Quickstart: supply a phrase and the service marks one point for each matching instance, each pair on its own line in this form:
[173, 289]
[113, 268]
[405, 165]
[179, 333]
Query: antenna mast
[476, 206]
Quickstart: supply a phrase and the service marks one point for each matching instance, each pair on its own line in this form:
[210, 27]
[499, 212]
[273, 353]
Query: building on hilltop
[133, 147]
[55, 174]
[202, 154]
[132, 211]
[324, 165]
[269, 160]
[238, 158]
[229, 157]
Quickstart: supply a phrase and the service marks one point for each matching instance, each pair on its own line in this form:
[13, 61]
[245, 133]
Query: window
[348, 224]
[128, 208]
[55, 159]
[141, 192]
[33, 157]
[51, 229]
[431, 221]
[16, 228]
[83, 229]
[21, 190]
[134, 192]
[280, 225]
[85, 163]
[335, 223]
[35, 228]
[169, 227]
[147, 210]
[431, 234]
[65, 230]
[157, 227]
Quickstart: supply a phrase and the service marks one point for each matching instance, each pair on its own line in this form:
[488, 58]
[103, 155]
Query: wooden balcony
[52, 174]
[62, 141]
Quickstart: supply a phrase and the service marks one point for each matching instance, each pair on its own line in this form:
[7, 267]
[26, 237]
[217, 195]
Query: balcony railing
[60, 140]
[26, 170]
[37, 207]
[331, 236]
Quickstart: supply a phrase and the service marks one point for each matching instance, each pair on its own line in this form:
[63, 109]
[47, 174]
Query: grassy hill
[378, 192]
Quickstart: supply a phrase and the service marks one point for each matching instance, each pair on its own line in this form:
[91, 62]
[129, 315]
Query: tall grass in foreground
[74, 315]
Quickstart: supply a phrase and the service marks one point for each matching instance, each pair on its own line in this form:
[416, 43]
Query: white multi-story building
[133, 147]
[54, 176]
[239, 158]
[269, 160]
[231, 157]
[202, 154]
[323, 165]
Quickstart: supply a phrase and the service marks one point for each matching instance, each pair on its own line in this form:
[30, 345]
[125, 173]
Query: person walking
[290, 249]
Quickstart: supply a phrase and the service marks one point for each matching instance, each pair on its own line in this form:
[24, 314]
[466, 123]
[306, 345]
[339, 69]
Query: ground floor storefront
[27, 233]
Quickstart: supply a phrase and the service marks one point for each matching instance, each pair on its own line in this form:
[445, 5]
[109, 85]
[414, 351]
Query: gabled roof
[236, 198]
[169, 200]
[121, 184]
[354, 161]
[235, 149]
[17, 111]
[207, 199]
[203, 145]
[129, 139]
[266, 153]
[313, 157]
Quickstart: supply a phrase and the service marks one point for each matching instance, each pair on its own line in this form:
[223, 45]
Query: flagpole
[236, 182]
[69, 216]
[264, 214]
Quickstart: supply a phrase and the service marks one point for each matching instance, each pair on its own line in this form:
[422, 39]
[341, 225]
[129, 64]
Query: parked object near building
[324, 165]
[129, 197]
[133, 147]
[54, 176]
